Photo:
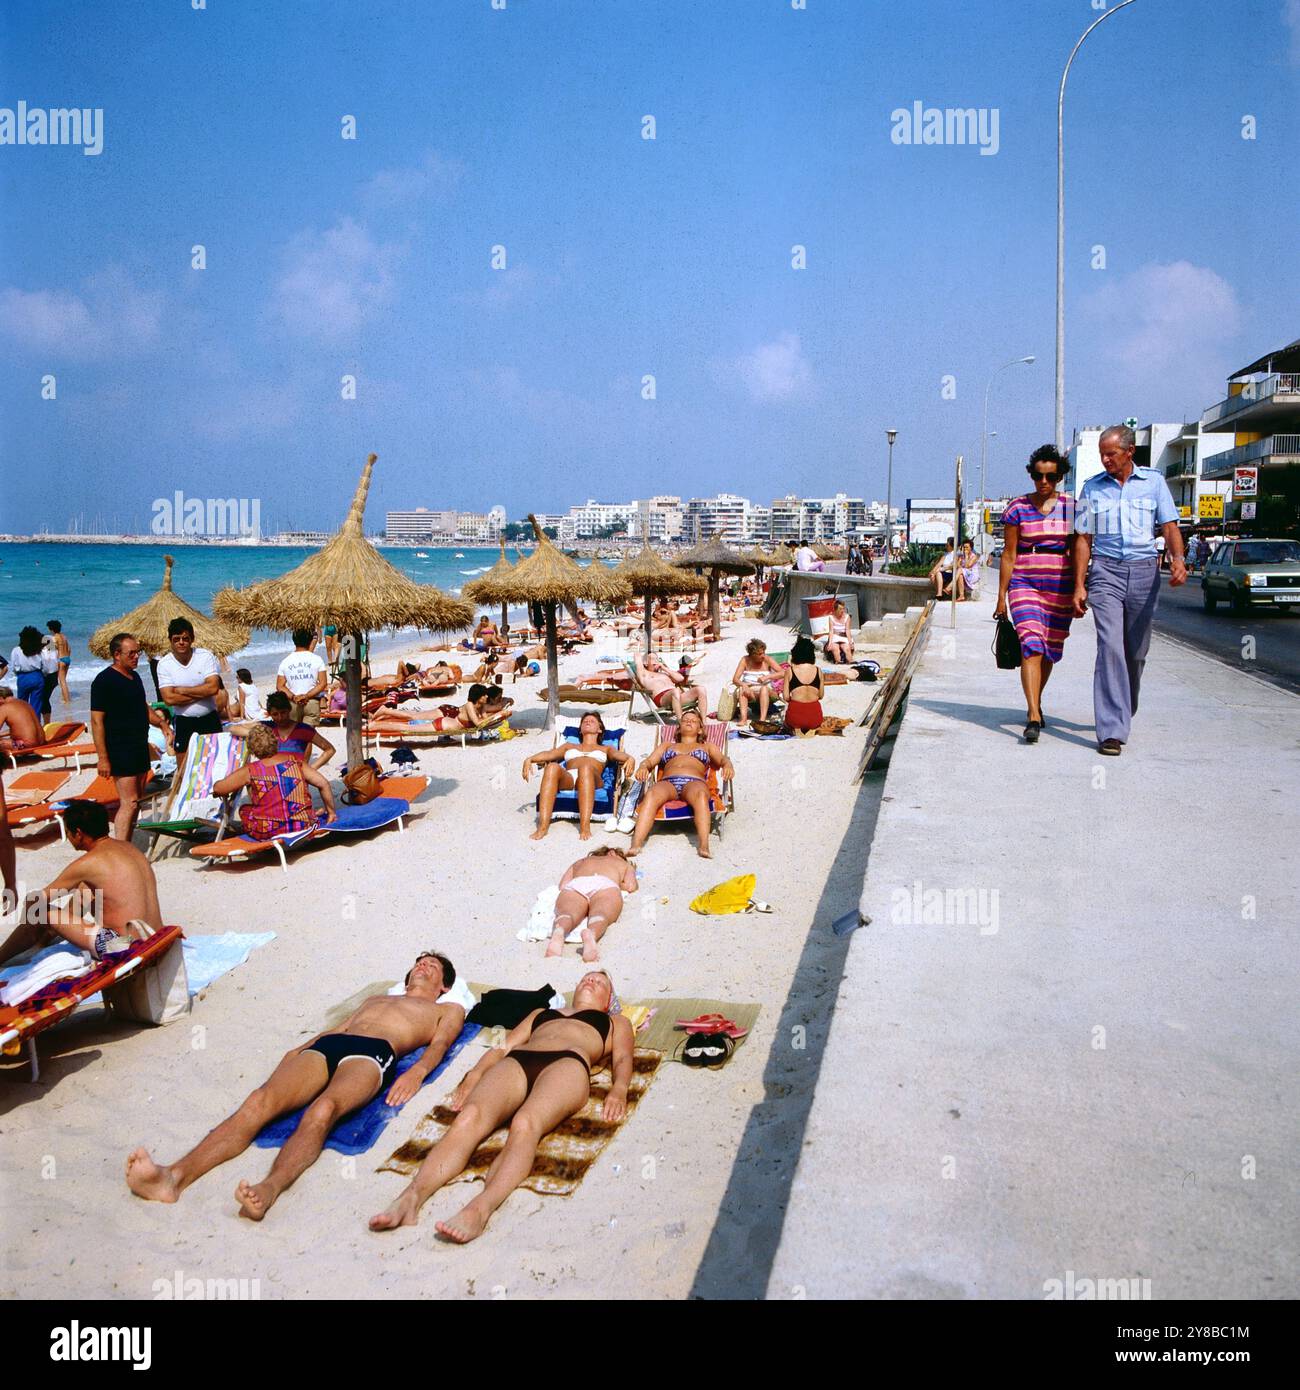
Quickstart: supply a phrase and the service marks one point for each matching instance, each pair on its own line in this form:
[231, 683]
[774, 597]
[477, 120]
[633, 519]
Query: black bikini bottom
[533, 1064]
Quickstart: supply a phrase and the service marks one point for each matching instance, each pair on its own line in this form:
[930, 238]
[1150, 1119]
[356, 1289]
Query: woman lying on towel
[451, 719]
[683, 776]
[591, 897]
[535, 1082]
[279, 789]
[580, 765]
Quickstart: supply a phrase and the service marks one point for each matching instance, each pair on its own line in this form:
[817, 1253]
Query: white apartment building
[1177, 450]
[420, 525]
[659, 520]
[595, 518]
[725, 515]
[835, 516]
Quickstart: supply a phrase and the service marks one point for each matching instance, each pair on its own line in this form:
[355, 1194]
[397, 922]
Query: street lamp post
[891, 435]
[984, 433]
[1060, 228]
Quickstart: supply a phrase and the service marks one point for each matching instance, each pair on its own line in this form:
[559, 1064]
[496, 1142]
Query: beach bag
[833, 724]
[735, 895]
[1006, 645]
[157, 993]
[711, 1050]
[726, 704]
[361, 783]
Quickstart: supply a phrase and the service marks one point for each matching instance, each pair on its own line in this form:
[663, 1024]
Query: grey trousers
[1123, 599]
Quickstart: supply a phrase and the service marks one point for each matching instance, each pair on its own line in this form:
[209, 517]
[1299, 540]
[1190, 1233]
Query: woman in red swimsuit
[537, 1080]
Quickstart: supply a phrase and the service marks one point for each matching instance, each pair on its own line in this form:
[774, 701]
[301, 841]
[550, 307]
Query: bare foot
[404, 1212]
[146, 1179]
[538, 835]
[466, 1225]
[590, 951]
[255, 1199]
[634, 851]
[584, 834]
[555, 946]
[704, 852]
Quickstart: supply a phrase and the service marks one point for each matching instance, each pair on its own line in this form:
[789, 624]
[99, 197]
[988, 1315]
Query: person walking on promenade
[1036, 582]
[1117, 572]
[119, 723]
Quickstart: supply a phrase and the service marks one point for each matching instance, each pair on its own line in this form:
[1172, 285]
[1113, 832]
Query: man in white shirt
[303, 677]
[189, 679]
[942, 572]
[806, 561]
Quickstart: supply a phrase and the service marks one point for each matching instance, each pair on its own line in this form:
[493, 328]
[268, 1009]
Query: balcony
[1262, 404]
[1276, 449]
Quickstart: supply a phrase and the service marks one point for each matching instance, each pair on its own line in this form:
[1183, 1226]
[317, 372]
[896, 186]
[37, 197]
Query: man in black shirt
[119, 723]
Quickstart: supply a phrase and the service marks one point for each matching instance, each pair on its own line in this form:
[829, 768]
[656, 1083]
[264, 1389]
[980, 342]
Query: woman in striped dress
[1036, 585]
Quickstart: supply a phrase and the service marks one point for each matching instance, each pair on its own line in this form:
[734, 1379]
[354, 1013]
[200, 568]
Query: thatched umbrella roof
[782, 555]
[148, 624]
[650, 576]
[549, 577]
[496, 586]
[715, 554]
[757, 556]
[828, 552]
[348, 583]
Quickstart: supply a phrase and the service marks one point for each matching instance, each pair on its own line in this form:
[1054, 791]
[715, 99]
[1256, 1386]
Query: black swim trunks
[339, 1047]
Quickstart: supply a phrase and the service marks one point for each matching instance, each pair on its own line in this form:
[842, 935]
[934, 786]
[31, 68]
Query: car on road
[1246, 573]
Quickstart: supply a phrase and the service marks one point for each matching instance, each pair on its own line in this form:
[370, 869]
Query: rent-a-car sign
[1245, 483]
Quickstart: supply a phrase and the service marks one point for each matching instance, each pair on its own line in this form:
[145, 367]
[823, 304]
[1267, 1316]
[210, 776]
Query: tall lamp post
[891, 435]
[1060, 228]
[984, 433]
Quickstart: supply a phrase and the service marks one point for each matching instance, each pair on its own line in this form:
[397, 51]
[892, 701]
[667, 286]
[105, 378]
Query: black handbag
[1006, 645]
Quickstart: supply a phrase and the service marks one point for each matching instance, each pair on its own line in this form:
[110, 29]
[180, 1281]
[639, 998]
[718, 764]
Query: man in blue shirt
[1117, 572]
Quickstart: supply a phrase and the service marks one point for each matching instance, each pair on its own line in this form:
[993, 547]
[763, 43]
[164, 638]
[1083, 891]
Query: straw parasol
[549, 577]
[718, 558]
[350, 584]
[652, 577]
[147, 623]
[494, 586]
[782, 555]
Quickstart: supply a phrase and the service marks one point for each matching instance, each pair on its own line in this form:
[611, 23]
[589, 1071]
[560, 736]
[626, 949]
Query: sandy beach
[688, 1197]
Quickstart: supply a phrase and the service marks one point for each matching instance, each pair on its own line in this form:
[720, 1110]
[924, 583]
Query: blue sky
[522, 127]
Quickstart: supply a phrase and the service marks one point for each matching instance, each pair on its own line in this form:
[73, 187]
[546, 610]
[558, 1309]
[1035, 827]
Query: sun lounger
[350, 820]
[101, 789]
[30, 798]
[566, 802]
[722, 796]
[60, 742]
[22, 1023]
[193, 810]
[418, 731]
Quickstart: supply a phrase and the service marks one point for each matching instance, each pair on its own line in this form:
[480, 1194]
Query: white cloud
[775, 371]
[1291, 18]
[390, 188]
[333, 281]
[1168, 320]
[112, 316]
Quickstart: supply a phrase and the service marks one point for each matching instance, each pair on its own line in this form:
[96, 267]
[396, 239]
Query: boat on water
[459, 555]
[421, 555]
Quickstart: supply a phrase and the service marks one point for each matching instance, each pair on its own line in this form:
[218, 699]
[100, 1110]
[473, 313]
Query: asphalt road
[1272, 653]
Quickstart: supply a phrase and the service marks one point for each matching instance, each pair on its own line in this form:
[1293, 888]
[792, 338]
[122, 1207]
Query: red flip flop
[711, 1023]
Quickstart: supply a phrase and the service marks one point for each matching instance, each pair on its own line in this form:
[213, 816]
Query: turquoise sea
[85, 585]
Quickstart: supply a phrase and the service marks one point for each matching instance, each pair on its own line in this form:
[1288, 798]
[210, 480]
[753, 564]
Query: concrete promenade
[1066, 1046]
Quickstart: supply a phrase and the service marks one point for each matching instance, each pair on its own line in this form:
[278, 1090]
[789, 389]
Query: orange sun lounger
[60, 742]
[20, 1023]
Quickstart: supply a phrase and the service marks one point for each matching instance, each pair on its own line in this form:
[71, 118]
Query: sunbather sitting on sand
[682, 766]
[332, 1075]
[22, 730]
[540, 1077]
[571, 765]
[110, 891]
[591, 897]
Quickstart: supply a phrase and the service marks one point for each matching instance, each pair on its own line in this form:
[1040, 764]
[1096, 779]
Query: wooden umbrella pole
[649, 627]
[715, 604]
[552, 667]
[352, 682]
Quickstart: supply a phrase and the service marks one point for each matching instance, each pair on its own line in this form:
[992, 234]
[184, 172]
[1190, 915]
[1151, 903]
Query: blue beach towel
[357, 1132]
[208, 958]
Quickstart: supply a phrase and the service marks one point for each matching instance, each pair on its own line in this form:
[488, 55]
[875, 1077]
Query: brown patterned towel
[563, 1156]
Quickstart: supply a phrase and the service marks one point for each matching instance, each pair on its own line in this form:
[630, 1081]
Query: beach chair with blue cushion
[566, 802]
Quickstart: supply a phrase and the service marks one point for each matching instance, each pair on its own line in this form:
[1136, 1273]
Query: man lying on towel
[109, 894]
[331, 1075]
